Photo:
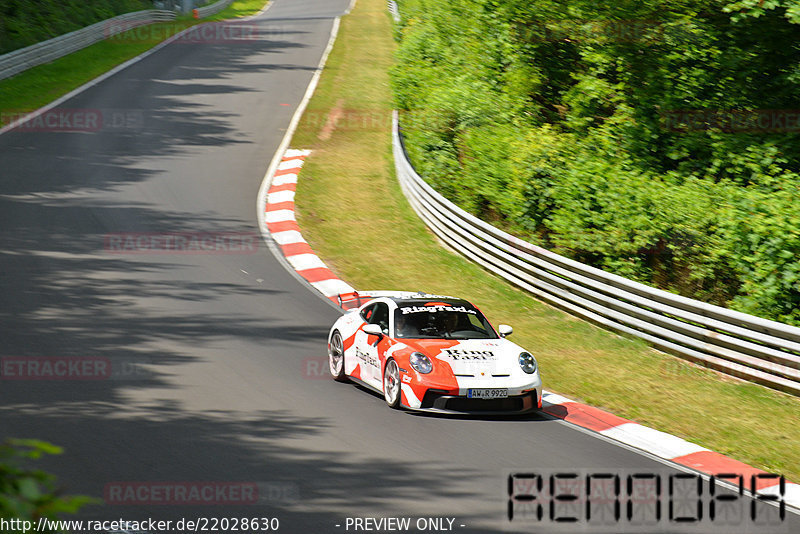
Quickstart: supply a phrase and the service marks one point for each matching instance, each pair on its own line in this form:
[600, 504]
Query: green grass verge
[42, 84]
[353, 213]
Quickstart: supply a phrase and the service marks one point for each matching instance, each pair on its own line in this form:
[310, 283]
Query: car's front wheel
[391, 384]
[336, 357]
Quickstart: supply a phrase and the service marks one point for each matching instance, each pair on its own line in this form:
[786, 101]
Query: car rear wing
[352, 300]
[356, 299]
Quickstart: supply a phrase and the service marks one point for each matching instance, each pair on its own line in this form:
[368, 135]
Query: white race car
[433, 353]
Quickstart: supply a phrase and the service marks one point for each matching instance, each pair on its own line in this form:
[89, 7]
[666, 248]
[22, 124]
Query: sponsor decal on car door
[366, 355]
[366, 348]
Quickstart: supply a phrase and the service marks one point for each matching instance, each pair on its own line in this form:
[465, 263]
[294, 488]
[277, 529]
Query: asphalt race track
[214, 356]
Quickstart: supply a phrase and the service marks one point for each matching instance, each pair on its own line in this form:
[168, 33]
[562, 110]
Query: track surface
[221, 343]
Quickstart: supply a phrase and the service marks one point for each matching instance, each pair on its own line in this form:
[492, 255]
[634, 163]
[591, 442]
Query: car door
[366, 347]
[352, 364]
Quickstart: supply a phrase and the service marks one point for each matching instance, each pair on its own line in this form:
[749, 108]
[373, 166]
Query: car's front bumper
[439, 401]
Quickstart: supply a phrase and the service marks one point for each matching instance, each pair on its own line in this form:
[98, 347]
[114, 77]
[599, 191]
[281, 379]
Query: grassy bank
[40, 85]
[353, 213]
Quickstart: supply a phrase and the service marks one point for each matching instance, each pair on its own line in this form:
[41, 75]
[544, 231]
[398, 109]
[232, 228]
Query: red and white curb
[279, 218]
[666, 446]
[282, 225]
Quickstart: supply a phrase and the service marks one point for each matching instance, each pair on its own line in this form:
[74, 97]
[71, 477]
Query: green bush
[612, 132]
[27, 494]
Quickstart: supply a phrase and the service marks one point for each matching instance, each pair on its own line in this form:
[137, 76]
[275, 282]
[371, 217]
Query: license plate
[494, 393]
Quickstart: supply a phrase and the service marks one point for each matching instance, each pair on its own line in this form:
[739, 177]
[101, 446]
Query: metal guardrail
[212, 9]
[741, 345]
[392, 5]
[46, 51]
[52, 49]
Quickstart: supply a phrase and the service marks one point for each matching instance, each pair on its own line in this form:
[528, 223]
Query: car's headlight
[421, 363]
[527, 362]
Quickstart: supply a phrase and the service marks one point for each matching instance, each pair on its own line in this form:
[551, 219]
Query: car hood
[471, 356]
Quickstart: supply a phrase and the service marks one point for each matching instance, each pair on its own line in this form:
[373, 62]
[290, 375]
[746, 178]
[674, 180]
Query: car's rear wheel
[391, 384]
[336, 357]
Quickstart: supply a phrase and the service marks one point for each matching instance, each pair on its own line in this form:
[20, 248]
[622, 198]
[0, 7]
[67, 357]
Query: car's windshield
[441, 320]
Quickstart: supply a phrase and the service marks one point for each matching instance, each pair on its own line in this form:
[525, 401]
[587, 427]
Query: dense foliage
[28, 494]
[26, 22]
[657, 139]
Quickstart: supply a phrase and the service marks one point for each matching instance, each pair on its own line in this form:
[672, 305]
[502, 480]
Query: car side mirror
[373, 329]
[504, 330]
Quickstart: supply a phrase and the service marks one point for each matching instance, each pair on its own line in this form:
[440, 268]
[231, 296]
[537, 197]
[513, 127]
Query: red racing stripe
[347, 343]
